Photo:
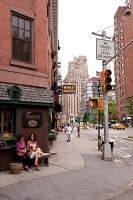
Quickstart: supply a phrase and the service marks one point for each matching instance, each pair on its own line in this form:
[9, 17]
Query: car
[96, 126]
[109, 125]
[119, 126]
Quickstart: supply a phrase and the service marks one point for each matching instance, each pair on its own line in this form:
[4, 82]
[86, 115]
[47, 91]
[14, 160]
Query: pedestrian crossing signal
[96, 103]
[93, 103]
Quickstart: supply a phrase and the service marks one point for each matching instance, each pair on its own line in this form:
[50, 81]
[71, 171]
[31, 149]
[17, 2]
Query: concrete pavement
[76, 171]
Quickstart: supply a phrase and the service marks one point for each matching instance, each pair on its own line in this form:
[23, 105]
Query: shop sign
[68, 89]
[32, 119]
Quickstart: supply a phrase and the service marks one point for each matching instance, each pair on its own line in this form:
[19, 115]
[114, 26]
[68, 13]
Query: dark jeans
[25, 159]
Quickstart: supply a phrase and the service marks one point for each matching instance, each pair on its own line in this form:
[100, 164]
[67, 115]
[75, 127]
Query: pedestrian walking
[78, 130]
[68, 132]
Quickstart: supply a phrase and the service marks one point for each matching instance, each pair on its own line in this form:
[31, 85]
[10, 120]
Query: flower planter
[11, 142]
[15, 167]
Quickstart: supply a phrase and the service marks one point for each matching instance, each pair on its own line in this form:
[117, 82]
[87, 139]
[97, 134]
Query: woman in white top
[33, 149]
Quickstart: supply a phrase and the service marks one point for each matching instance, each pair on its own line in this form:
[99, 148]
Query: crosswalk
[121, 154]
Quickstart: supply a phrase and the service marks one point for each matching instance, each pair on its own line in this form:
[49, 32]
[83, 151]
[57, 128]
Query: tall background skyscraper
[77, 75]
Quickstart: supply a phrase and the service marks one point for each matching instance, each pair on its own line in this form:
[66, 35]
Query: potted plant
[9, 138]
[51, 137]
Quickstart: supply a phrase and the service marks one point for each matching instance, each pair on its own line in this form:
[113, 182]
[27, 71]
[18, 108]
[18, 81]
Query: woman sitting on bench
[21, 152]
[33, 149]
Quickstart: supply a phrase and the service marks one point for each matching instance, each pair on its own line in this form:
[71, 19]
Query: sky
[77, 20]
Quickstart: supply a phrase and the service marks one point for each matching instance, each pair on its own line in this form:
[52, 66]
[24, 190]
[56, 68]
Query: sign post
[104, 52]
[107, 155]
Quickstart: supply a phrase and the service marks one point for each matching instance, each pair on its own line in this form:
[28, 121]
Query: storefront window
[7, 121]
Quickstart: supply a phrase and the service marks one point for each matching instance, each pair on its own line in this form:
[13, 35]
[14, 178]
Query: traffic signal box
[96, 103]
[106, 75]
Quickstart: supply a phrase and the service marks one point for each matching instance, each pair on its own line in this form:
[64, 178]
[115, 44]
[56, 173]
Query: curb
[128, 139]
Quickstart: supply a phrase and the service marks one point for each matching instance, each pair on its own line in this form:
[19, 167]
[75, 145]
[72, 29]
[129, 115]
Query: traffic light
[93, 103]
[106, 73]
[96, 103]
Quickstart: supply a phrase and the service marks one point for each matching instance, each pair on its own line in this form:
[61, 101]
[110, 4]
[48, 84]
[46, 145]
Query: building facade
[28, 67]
[89, 90]
[77, 75]
[123, 32]
[92, 89]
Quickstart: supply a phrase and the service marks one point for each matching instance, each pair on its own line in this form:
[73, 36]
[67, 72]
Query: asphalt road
[123, 150]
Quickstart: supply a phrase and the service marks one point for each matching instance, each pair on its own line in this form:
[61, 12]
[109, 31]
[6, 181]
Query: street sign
[104, 49]
[68, 89]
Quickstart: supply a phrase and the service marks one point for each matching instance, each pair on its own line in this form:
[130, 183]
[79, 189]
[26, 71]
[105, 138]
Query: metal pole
[99, 137]
[106, 154]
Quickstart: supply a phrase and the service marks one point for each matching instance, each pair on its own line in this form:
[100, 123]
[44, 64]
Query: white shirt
[68, 130]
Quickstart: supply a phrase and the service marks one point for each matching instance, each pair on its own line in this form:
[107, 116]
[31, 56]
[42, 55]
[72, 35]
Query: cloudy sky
[77, 20]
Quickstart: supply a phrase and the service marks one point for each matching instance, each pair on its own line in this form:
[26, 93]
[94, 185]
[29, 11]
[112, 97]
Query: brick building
[28, 66]
[124, 61]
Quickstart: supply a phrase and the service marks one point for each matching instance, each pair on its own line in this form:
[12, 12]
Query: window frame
[23, 40]
[30, 15]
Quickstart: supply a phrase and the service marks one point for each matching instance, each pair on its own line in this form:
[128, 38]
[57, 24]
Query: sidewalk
[80, 162]
[64, 156]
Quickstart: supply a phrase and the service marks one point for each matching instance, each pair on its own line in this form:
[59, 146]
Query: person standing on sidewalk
[68, 132]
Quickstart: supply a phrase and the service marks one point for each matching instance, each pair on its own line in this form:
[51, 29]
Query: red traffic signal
[107, 80]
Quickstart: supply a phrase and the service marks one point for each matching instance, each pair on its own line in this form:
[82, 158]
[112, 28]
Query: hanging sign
[32, 119]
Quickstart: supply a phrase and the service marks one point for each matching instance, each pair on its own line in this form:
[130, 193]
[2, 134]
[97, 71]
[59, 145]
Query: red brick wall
[36, 9]
[123, 75]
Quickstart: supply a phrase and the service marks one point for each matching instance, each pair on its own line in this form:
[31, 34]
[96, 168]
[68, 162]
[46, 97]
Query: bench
[45, 159]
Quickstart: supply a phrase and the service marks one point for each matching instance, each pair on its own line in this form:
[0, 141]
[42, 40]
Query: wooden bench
[45, 159]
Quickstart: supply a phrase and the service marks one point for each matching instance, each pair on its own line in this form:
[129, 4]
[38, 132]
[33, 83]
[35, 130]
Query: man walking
[68, 132]
[78, 130]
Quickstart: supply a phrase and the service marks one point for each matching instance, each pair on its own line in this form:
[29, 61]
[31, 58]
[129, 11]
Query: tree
[112, 111]
[129, 106]
[85, 118]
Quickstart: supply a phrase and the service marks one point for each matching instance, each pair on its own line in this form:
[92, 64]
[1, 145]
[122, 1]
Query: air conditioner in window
[127, 12]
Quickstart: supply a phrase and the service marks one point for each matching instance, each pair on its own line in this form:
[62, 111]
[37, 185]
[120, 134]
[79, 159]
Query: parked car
[96, 126]
[119, 126]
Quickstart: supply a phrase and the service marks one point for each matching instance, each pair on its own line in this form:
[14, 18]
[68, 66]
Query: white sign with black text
[104, 49]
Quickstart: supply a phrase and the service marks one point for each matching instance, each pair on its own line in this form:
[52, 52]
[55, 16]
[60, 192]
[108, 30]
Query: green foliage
[129, 105]
[130, 137]
[51, 137]
[77, 119]
[112, 111]
[96, 113]
[85, 117]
